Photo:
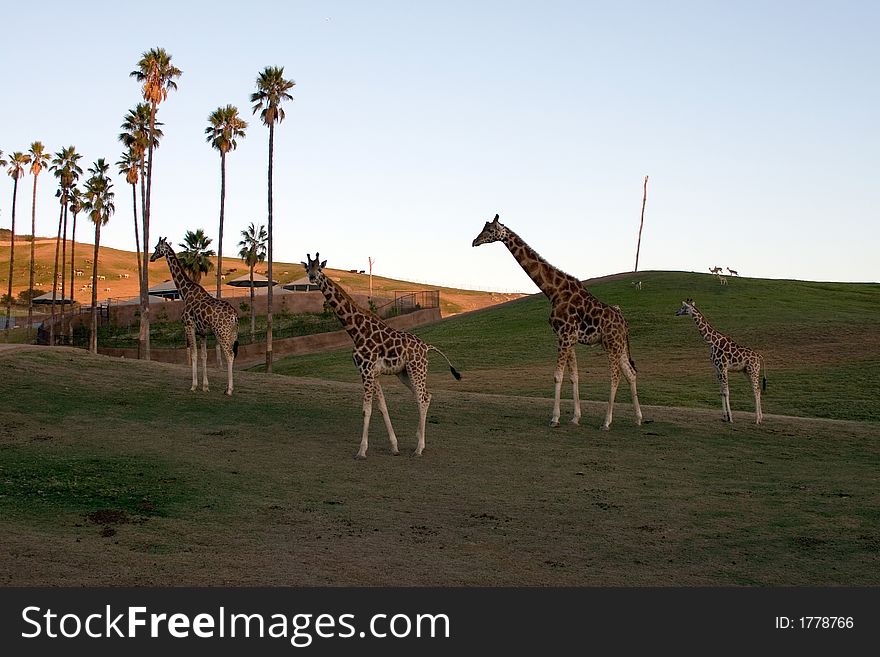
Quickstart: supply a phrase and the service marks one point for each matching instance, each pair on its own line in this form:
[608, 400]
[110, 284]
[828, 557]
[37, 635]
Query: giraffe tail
[763, 375]
[235, 348]
[451, 368]
[632, 363]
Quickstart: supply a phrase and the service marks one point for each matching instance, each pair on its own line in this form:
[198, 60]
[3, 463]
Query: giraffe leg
[754, 374]
[230, 358]
[725, 395]
[369, 386]
[630, 375]
[380, 397]
[575, 393]
[615, 381]
[562, 358]
[190, 332]
[205, 363]
[416, 379]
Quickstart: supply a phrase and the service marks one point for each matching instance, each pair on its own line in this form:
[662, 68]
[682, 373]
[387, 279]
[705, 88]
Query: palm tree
[272, 90]
[224, 128]
[128, 165]
[253, 250]
[66, 169]
[195, 258]
[157, 74]
[136, 138]
[17, 163]
[99, 204]
[39, 159]
[77, 201]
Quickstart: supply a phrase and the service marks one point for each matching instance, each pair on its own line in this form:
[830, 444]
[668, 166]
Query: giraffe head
[313, 267]
[688, 307]
[163, 248]
[493, 231]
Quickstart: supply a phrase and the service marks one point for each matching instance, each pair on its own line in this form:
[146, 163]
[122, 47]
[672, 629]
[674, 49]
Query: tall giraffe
[576, 316]
[202, 313]
[379, 349]
[728, 356]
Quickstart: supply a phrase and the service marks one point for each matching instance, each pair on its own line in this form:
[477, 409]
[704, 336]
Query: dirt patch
[108, 517]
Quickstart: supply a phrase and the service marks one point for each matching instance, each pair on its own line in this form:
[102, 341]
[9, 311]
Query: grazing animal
[715, 270]
[722, 280]
[202, 313]
[379, 349]
[727, 356]
[637, 285]
[575, 316]
[732, 272]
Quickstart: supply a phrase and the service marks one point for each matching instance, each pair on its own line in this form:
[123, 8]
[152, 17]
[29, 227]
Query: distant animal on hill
[727, 356]
[379, 349]
[732, 272]
[722, 280]
[576, 316]
[202, 313]
[637, 285]
[715, 270]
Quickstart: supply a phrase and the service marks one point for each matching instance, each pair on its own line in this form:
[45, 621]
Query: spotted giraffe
[576, 316]
[379, 349]
[202, 313]
[727, 356]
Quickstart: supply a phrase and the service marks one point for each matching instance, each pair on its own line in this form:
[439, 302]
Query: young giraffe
[379, 349]
[576, 316]
[202, 313]
[728, 356]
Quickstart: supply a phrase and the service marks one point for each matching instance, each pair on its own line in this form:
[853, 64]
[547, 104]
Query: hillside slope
[820, 340]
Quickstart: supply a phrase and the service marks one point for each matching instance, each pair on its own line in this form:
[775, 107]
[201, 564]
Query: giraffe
[727, 356]
[379, 349]
[202, 313]
[576, 316]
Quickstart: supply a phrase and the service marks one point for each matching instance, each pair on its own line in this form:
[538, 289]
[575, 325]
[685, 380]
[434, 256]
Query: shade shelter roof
[301, 285]
[245, 281]
[47, 298]
[167, 289]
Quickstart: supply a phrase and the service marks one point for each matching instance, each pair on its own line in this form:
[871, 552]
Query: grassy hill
[820, 341]
[115, 263]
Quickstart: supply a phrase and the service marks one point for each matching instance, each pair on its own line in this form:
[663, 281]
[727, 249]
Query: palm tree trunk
[220, 237]
[64, 270]
[144, 337]
[11, 258]
[253, 310]
[55, 275]
[137, 239]
[269, 291]
[641, 223]
[30, 315]
[93, 335]
[72, 268]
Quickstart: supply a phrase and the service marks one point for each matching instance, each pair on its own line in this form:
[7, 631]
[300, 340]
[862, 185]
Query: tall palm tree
[67, 171]
[77, 201]
[157, 75]
[252, 251]
[272, 90]
[136, 138]
[39, 159]
[195, 257]
[17, 163]
[129, 165]
[98, 202]
[225, 127]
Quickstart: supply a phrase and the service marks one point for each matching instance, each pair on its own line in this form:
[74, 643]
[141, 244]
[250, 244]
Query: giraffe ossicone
[727, 356]
[379, 349]
[576, 316]
[202, 313]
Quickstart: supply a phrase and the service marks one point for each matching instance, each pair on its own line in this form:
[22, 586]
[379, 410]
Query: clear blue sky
[415, 122]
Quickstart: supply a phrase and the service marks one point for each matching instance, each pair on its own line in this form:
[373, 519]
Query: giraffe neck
[342, 304]
[709, 334]
[184, 283]
[546, 276]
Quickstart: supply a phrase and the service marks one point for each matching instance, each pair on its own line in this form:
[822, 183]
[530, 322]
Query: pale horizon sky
[414, 123]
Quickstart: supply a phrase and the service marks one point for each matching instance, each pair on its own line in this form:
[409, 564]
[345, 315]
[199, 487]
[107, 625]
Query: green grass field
[112, 472]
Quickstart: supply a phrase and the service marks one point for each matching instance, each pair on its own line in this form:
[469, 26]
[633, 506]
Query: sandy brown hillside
[115, 265]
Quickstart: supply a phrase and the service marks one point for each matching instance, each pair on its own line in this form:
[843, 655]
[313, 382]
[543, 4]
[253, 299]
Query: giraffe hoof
[606, 427]
[417, 455]
[228, 393]
[193, 389]
[360, 457]
[576, 421]
[554, 424]
[395, 452]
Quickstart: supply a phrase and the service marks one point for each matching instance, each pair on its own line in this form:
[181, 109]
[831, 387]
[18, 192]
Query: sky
[414, 123]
